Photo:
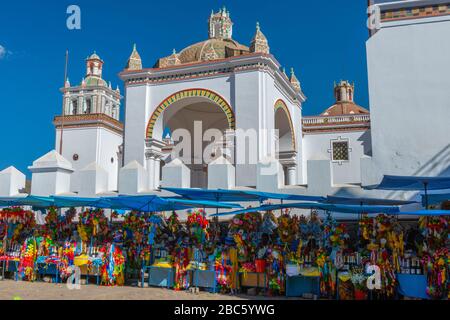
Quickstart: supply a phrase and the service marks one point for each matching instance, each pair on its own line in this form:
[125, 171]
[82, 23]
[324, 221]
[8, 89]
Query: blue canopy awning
[426, 213]
[319, 206]
[411, 183]
[33, 201]
[436, 198]
[281, 196]
[67, 202]
[367, 201]
[237, 195]
[153, 203]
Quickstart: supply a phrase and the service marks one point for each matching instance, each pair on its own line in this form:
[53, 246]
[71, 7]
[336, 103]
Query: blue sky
[323, 40]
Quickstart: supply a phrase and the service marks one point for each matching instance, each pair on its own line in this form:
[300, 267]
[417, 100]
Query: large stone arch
[191, 93]
[281, 105]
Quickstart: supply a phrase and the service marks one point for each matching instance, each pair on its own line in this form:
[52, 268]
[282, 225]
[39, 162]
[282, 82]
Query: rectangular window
[88, 106]
[74, 107]
[340, 151]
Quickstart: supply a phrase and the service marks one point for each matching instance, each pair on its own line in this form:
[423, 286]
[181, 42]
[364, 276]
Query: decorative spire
[135, 61]
[259, 42]
[294, 81]
[173, 59]
[67, 84]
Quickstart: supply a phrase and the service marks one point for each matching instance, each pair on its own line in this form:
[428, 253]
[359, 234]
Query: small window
[340, 151]
[88, 106]
[75, 157]
[74, 107]
[112, 160]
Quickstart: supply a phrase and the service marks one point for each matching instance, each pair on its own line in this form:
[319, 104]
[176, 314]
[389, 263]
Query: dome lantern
[220, 25]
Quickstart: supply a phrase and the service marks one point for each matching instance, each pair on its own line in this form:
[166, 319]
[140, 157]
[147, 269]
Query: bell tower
[89, 131]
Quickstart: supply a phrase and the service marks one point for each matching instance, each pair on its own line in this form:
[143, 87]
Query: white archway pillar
[150, 164]
[153, 155]
[291, 174]
[289, 161]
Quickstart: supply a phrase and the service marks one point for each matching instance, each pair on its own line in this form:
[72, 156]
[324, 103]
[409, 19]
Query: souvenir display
[276, 247]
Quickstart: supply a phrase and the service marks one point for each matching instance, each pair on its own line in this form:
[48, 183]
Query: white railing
[336, 119]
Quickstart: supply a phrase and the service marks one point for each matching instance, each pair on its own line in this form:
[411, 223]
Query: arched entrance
[185, 117]
[286, 141]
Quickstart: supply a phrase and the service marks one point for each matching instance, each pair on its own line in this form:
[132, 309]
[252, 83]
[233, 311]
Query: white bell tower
[90, 129]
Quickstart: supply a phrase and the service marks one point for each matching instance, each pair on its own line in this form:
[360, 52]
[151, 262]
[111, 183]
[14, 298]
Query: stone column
[150, 166]
[157, 173]
[291, 174]
[153, 155]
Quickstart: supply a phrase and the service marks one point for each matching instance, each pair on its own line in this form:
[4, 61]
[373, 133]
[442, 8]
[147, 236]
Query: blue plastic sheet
[367, 201]
[319, 206]
[426, 213]
[413, 286]
[412, 183]
[238, 195]
[436, 198]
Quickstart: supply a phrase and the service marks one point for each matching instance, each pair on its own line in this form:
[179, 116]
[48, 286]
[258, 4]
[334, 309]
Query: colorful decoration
[28, 256]
[198, 225]
[17, 223]
[93, 223]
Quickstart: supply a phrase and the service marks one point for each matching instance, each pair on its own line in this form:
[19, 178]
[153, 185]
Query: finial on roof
[259, 42]
[134, 61]
[294, 81]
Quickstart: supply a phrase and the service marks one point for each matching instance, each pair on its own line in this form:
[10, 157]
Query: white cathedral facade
[243, 93]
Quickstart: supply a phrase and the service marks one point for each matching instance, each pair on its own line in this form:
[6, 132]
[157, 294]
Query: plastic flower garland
[112, 270]
[223, 267]
[173, 223]
[93, 223]
[276, 270]
[198, 225]
[437, 270]
[334, 235]
[52, 223]
[135, 224]
[326, 269]
[28, 257]
[435, 230]
[287, 227]
[17, 222]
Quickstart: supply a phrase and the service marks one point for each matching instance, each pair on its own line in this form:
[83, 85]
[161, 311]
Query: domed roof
[94, 56]
[211, 49]
[196, 52]
[344, 108]
[95, 81]
[344, 93]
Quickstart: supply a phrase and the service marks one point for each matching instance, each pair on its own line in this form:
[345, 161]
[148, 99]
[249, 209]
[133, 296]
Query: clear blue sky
[323, 40]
